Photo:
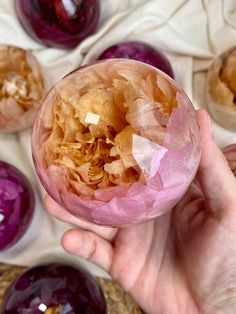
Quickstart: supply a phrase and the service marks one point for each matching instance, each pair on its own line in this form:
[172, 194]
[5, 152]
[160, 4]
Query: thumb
[217, 182]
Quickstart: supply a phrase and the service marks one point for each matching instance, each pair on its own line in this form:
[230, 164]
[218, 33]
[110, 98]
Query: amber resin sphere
[116, 142]
[21, 89]
[221, 89]
[59, 23]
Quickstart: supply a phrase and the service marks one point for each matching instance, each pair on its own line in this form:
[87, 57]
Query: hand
[181, 262]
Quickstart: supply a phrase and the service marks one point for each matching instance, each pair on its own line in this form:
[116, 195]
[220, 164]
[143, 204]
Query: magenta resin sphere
[141, 52]
[16, 205]
[116, 142]
[58, 23]
[53, 289]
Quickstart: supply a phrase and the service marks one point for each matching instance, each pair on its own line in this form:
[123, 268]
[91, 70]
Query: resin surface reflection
[116, 142]
[54, 289]
[59, 23]
[141, 52]
[16, 205]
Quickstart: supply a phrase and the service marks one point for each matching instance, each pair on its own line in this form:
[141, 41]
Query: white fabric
[191, 32]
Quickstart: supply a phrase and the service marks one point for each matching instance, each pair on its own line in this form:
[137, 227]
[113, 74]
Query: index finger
[60, 213]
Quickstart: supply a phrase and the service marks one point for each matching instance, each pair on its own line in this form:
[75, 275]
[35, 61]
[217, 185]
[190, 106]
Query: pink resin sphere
[116, 142]
[59, 23]
[16, 205]
[141, 52]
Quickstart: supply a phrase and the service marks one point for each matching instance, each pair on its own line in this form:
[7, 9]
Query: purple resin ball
[16, 205]
[54, 288]
[59, 23]
[141, 52]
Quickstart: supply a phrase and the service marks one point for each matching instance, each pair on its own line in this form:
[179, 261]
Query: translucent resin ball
[221, 89]
[54, 289]
[21, 89]
[141, 52]
[59, 23]
[16, 205]
[116, 142]
[230, 155]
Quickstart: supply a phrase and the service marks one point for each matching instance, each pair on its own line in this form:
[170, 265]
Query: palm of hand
[182, 262]
[171, 264]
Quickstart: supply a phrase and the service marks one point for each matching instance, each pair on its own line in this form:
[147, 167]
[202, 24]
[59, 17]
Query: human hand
[181, 262]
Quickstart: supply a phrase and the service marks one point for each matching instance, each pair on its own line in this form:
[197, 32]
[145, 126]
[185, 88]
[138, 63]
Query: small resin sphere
[116, 142]
[16, 205]
[230, 155]
[22, 89]
[59, 23]
[54, 289]
[141, 52]
[221, 89]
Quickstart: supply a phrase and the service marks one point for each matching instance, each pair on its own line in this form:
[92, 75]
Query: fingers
[187, 211]
[90, 246]
[216, 180]
[192, 193]
[60, 213]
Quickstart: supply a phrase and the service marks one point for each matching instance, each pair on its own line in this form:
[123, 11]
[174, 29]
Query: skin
[181, 262]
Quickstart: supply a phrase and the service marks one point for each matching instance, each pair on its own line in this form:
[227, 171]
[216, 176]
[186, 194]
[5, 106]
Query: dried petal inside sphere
[103, 135]
[221, 89]
[93, 126]
[228, 75]
[222, 79]
[21, 89]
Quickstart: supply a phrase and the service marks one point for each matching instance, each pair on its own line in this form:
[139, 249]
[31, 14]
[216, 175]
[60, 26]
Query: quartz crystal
[59, 23]
[221, 89]
[54, 289]
[141, 52]
[16, 205]
[21, 89]
[116, 142]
